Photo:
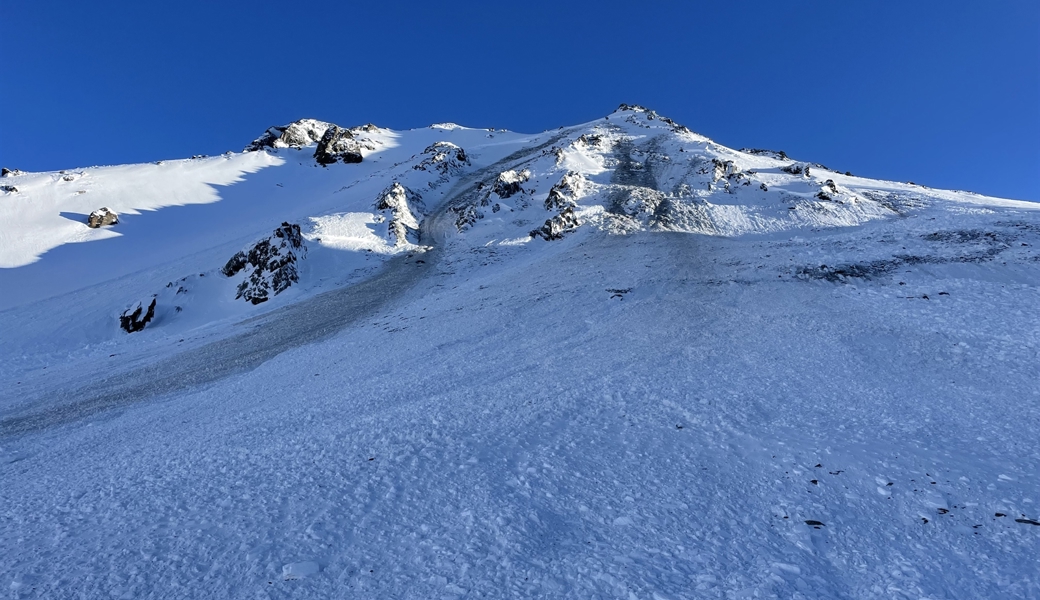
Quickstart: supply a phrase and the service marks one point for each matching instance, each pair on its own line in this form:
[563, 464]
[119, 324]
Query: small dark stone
[1027, 521]
[814, 523]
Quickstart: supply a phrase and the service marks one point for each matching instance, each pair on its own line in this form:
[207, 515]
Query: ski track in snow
[652, 415]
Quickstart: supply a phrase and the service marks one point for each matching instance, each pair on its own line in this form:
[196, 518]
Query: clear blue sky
[944, 93]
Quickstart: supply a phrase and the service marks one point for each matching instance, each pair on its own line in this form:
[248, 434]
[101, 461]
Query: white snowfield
[616, 360]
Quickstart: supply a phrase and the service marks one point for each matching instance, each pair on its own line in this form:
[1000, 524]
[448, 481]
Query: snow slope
[613, 360]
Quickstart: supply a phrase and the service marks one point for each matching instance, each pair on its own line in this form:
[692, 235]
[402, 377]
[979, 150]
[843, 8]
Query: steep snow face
[610, 360]
[382, 193]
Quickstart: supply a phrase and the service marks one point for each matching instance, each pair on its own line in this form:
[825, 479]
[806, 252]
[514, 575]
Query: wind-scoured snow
[611, 360]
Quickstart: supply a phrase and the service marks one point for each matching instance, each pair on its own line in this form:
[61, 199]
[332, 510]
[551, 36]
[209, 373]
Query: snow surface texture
[614, 360]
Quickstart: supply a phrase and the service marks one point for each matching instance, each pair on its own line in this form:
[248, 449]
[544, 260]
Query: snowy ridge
[610, 360]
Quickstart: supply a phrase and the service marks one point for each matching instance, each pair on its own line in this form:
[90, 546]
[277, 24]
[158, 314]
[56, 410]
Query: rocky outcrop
[136, 317]
[466, 216]
[565, 193]
[563, 197]
[443, 158]
[828, 190]
[776, 154]
[294, 135]
[554, 228]
[270, 264]
[728, 170]
[796, 169]
[102, 217]
[399, 205]
[5, 172]
[652, 115]
[338, 145]
[508, 183]
[10, 189]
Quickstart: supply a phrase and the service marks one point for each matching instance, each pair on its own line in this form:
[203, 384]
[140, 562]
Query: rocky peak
[640, 115]
[294, 135]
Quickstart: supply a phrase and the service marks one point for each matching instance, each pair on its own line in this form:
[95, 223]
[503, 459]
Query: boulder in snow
[5, 172]
[136, 317]
[102, 217]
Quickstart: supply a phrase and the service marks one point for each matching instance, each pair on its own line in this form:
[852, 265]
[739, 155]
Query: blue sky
[946, 94]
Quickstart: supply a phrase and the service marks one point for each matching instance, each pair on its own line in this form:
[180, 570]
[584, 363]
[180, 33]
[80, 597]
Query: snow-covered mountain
[615, 359]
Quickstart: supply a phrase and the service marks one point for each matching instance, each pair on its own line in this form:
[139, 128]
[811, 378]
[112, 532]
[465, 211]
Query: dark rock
[796, 169]
[5, 172]
[132, 320]
[270, 262]
[466, 216]
[554, 228]
[814, 523]
[10, 189]
[777, 154]
[590, 139]
[1027, 521]
[828, 190]
[338, 145]
[235, 264]
[101, 217]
